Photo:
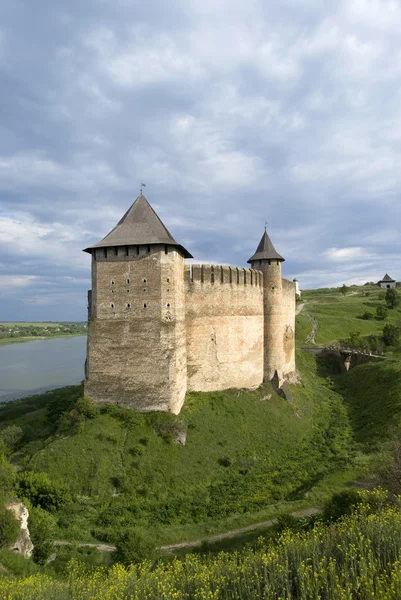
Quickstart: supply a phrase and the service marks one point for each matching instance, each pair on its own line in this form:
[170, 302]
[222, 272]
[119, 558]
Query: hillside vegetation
[125, 478]
[11, 332]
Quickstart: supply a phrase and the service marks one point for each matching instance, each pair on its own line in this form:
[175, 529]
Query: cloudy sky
[231, 111]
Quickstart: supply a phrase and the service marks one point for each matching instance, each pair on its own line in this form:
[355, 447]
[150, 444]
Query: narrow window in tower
[105, 252]
[128, 305]
[112, 305]
[144, 306]
[168, 305]
[168, 280]
[126, 251]
[127, 291]
[165, 249]
[137, 249]
[144, 280]
[112, 282]
[115, 251]
[269, 261]
[148, 248]
[127, 281]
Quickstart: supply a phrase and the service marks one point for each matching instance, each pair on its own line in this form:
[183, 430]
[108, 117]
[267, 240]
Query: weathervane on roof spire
[142, 185]
[265, 225]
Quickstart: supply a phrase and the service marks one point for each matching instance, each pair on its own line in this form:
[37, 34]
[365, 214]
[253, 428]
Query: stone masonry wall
[288, 317]
[224, 324]
[136, 334]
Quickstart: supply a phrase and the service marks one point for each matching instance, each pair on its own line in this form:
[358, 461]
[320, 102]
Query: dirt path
[310, 338]
[234, 532]
[307, 512]
[299, 308]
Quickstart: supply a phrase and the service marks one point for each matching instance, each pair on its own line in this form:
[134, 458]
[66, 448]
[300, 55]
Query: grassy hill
[249, 455]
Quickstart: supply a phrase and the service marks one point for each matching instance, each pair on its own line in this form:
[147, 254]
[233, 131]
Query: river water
[35, 367]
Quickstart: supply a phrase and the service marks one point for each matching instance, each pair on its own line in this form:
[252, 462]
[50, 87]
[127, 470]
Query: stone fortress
[158, 327]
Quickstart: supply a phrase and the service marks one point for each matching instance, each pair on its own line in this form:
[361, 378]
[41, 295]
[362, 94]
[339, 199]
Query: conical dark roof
[266, 250]
[139, 225]
[386, 278]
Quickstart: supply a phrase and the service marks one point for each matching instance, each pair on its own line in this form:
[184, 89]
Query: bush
[9, 527]
[11, 437]
[381, 313]
[6, 475]
[42, 528]
[133, 546]
[391, 335]
[87, 408]
[367, 316]
[341, 504]
[392, 298]
[40, 491]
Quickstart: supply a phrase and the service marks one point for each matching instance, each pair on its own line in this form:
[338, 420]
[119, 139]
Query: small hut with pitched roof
[387, 282]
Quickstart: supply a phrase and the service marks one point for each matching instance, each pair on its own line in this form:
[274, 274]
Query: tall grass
[360, 557]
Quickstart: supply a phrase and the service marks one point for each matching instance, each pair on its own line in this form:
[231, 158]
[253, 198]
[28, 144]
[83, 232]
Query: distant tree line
[20, 330]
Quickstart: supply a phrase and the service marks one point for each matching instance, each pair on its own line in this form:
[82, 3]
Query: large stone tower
[136, 335]
[267, 260]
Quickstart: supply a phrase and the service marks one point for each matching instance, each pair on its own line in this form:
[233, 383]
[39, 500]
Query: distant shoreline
[21, 340]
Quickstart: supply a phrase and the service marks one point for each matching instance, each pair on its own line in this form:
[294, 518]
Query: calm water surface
[38, 366]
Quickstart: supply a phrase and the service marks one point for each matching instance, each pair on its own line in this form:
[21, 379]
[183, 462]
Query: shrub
[367, 316]
[9, 527]
[391, 335]
[42, 528]
[87, 408]
[6, 475]
[40, 491]
[11, 437]
[341, 504]
[381, 313]
[392, 298]
[133, 546]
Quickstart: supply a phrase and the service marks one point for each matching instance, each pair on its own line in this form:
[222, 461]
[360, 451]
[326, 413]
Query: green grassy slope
[339, 315]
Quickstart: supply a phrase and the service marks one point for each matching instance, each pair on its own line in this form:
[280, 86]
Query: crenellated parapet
[222, 274]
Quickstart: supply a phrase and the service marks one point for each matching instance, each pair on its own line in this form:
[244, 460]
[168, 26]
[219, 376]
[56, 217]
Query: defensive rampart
[288, 320]
[224, 327]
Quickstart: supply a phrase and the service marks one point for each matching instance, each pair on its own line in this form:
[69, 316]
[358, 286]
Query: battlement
[222, 274]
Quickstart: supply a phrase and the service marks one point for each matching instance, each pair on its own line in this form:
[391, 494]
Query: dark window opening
[144, 306]
[126, 251]
[105, 252]
[112, 305]
[168, 290]
[112, 282]
[137, 249]
[127, 291]
[148, 248]
[128, 281]
[168, 280]
[144, 281]
[128, 305]
[165, 249]
[168, 305]
[269, 262]
[116, 251]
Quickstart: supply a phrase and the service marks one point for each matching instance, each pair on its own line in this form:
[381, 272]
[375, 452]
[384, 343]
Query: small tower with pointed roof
[268, 260]
[136, 353]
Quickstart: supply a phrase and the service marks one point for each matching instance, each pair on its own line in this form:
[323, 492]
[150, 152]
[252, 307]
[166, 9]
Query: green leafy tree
[133, 546]
[392, 298]
[9, 527]
[341, 504]
[391, 335]
[381, 313]
[343, 289]
[11, 436]
[6, 475]
[41, 491]
[367, 316]
[42, 528]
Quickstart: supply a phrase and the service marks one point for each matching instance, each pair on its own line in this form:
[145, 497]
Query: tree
[343, 289]
[42, 528]
[41, 491]
[381, 313]
[133, 546]
[392, 299]
[9, 527]
[367, 316]
[11, 436]
[391, 335]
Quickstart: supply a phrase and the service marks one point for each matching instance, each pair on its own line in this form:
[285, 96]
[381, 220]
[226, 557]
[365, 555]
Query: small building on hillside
[297, 290]
[387, 282]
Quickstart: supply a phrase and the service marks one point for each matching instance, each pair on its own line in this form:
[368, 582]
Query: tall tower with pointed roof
[278, 359]
[136, 353]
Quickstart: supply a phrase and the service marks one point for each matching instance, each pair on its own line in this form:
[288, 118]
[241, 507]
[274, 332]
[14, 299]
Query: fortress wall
[288, 326]
[137, 341]
[224, 323]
